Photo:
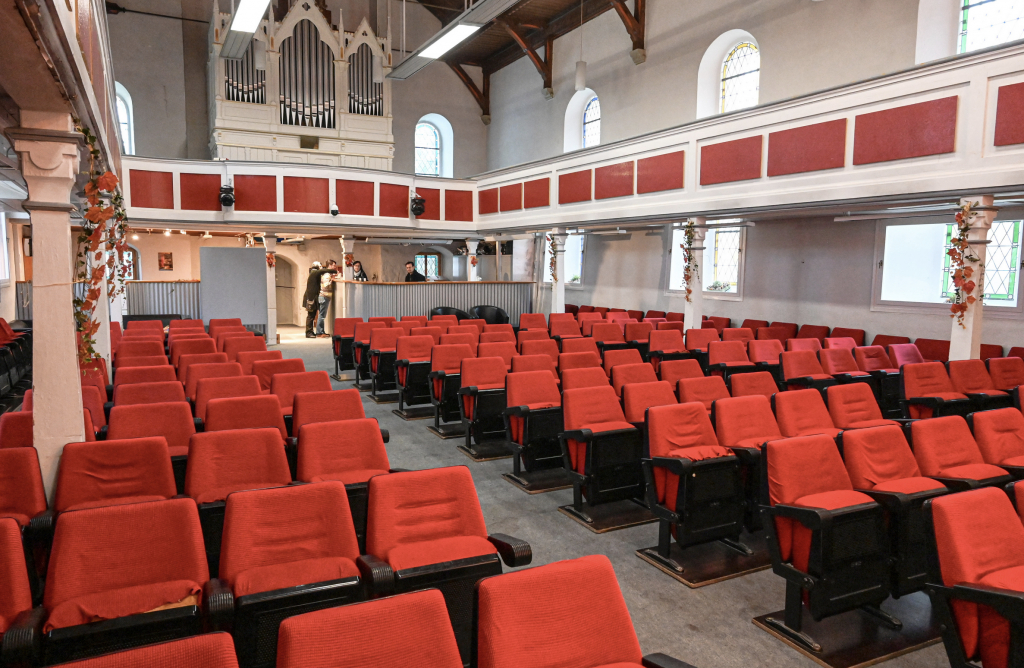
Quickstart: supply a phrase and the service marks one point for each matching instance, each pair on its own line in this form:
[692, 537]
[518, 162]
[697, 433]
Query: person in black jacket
[357, 272]
[413, 276]
[311, 298]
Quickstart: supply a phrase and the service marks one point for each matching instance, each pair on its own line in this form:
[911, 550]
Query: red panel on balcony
[355, 198]
[255, 193]
[574, 187]
[910, 131]
[458, 205]
[200, 192]
[511, 197]
[537, 193]
[613, 181]
[394, 200]
[1010, 115]
[489, 201]
[432, 197]
[153, 190]
[737, 160]
[304, 195]
[807, 149]
[660, 172]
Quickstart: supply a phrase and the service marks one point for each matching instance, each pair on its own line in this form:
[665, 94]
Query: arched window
[428, 150]
[125, 119]
[592, 123]
[989, 23]
[131, 262]
[741, 74]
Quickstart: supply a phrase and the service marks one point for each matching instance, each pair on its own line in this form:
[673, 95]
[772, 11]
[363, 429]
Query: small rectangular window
[573, 259]
[428, 264]
[721, 260]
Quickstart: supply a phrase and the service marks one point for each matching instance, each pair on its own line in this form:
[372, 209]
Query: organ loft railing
[307, 79]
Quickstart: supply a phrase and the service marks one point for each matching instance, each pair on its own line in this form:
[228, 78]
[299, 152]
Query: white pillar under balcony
[340, 291]
[965, 342]
[694, 309]
[270, 243]
[102, 316]
[558, 236]
[49, 151]
[472, 270]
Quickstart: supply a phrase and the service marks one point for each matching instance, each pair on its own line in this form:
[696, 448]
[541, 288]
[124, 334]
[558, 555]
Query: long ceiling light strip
[245, 20]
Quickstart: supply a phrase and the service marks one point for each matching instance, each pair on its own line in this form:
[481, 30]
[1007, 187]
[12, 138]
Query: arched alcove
[709, 74]
[573, 137]
[447, 147]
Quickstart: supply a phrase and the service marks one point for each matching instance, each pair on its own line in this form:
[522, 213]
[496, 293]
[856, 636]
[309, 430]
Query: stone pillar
[965, 342]
[102, 316]
[270, 243]
[694, 309]
[49, 152]
[348, 246]
[472, 271]
[558, 236]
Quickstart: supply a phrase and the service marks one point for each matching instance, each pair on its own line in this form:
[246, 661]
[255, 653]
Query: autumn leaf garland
[960, 255]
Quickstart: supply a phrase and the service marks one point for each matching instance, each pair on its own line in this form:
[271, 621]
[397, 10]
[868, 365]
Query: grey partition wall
[234, 285]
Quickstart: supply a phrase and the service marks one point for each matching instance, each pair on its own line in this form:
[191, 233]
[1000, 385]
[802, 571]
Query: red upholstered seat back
[471, 330]
[286, 385]
[655, 314]
[625, 374]
[234, 346]
[541, 347]
[468, 340]
[184, 324]
[92, 401]
[506, 351]
[485, 373]
[247, 358]
[673, 371]
[942, 443]
[197, 372]
[802, 412]
[672, 326]
[856, 334]
[742, 334]
[798, 363]
[405, 630]
[704, 390]
[15, 593]
[584, 377]
[385, 339]
[265, 370]
[16, 430]
[585, 309]
[925, 380]
[818, 332]
[1007, 372]
[614, 358]
[494, 329]
[210, 650]
[130, 348]
[221, 462]
[103, 473]
[532, 321]
[21, 484]
[568, 361]
[514, 606]
[453, 319]
[720, 322]
[565, 328]
[270, 527]
[673, 316]
[841, 342]
[789, 328]
[561, 317]
[885, 340]
[638, 397]
[528, 363]
[532, 335]
[406, 326]
[1000, 434]
[990, 350]
[812, 345]
[479, 323]
[420, 320]
[581, 345]
[220, 388]
[498, 337]
[904, 353]
[877, 455]
[114, 547]
[531, 388]
[311, 407]
[146, 393]
[765, 350]
[837, 360]
[678, 426]
[195, 346]
[618, 315]
[149, 360]
[970, 376]
[172, 420]
[144, 324]
[780, 334]
[329, 449]
[610, 333]
[386, 319]
[233, 333]
[364, 329]
[726, 351]
[433, 332]
[698, 339]
[245, 413]
[346, 327]
[852, 403]
[587, 325]
[933, 349]
[221, 322]
[667, 341]
[747, 421]
[153, 374]
[753, 325]
[872, 358]
[591, 405]
[448, 357]
[758, 382]
[95, 373]
[415, 506]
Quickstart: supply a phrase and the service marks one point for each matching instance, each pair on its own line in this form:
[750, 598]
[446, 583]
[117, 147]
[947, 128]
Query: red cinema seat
[191, 347]
[780, 334]
[626, 374]
[568, 361]
[498, 337]
[148, 374]
[222, 388]
[172, 420]
[245, 413]
[533, 421]
[1007, 372]
[16, 429]
[145, 393]
[741, 334]
[467, 339]
[587, 326]
[654, 314]
[211, 650]
[672, 371]
[766, 354]
[525, 335]
[840, 364]
[247, 358]
[673, 316]
[638, 333]
[581, 345]
[789, 329]
[479, 323]
[753, 325]
[505, 350]
[801, 368]
[149, 360]
[406, 326]
[819, 332]
[482, 395]
[720, 322]
[608, 337]
[540, 347]
[759, 382]
[853, 406]
[803, 413]
[584, 377]
[726, 358]
[972, 378]
[15, 589]
[927, 391]
[113, 472]
[840, 342]
[858, 335]
[265, 370]
[331, 406]
[745, 422]
[697, 340]
[420, 320]
[532, 321]
[874, 358]
[445, 382]
[676, 325]
[150, 325]
[945, 449]
[450, 319]
[564, 330]
[933, 350]
[614, 358]
[285, 386]
[197, 372]
[433, 332]
[638, 397]
[145, 348]
[812, 344]
[1000, 437]
[561, 317]
[361, 346]
[21, 485]
[886, 340]
[525, 363]
[664, 345]
[469, 330]
[905, 353]
[235, 346]
[990, 350]
[156, 374]
[702, 390]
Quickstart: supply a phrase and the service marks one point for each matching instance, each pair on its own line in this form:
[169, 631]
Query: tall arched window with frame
[125, 118]
[986, 23]
[741, 77]
[428, 150]
[592, 123]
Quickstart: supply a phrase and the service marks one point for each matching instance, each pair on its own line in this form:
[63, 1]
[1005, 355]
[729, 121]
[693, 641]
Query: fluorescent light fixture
[449, 40]
[248, 15]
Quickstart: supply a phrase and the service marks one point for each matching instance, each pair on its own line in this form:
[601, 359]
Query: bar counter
[359, 299]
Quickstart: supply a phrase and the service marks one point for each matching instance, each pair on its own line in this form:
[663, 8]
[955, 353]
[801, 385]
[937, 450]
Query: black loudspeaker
[418, 205]
[227, 196]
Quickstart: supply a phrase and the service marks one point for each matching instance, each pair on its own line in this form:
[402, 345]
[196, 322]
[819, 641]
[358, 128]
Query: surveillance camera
[334, 209]
[227, 196]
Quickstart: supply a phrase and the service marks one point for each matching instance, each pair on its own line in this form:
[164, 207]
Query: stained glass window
[989, 22]
[427, 264]
[741, 76]
[1002, 263]
[428, 150]
[592, 123]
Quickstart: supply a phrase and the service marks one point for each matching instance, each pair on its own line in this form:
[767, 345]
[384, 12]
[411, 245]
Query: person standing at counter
[326, 293]
[413, 276]
[357, 272]
[311, 298]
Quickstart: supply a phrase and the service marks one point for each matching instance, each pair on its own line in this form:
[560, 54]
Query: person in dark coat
[311, 298]
[413, 276]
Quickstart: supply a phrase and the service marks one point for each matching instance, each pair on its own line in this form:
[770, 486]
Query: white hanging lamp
[581, 65]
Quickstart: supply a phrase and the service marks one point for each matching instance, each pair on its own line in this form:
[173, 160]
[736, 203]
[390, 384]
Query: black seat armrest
[22, 642]
[663, 661]
[110, 390]
[101, 435]
[513, 551]
[199, 425]
[671, 464]
[41, 526]
[464, 391]
[291, 442]
[517, 411]
[1007, 602]
[377, 574]
[106, 409]
[218, 603]
[958, 484]
[385, 435]
[578, 435]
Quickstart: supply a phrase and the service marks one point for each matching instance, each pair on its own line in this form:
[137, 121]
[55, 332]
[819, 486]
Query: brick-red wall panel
[394, 200]
[574, 187]
[432, 206]
[305, 195]
[200, 192]
[355, 198]
[153, 190]
[255, 193]
[737, 160]
[511, 197]
[807, 149]
[613, 180]
[1010, 115]
[910, 131]
[660, 172]
[537, 193]
[458, 205]
[489, 201]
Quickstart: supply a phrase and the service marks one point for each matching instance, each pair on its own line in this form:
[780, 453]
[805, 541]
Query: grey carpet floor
[708, 627]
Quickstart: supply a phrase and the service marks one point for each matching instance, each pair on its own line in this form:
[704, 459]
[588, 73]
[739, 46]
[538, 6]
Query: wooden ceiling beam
[636, 26]
[482, 97]
[543, 65]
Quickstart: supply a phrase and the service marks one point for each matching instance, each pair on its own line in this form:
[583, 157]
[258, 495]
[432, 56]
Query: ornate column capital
[49, 165]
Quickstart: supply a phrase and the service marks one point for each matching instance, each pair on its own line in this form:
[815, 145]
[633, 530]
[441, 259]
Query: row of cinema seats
[413, 629]
[15, 364]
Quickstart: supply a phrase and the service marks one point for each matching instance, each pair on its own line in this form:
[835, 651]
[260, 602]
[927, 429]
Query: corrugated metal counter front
[355, 299]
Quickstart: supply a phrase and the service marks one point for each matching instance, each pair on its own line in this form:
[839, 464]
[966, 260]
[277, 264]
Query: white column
[49, 152]
[558, 236]
[102, 316]
[341, 306]
[497, 260]
[694, 309]
[965, 342]
[472, 271]
[270, 243]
